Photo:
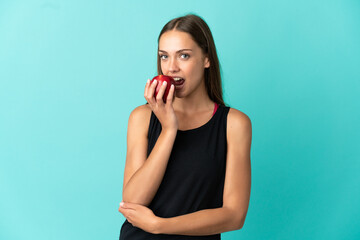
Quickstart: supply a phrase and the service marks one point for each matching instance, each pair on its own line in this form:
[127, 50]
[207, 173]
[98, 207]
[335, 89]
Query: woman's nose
[173, 65]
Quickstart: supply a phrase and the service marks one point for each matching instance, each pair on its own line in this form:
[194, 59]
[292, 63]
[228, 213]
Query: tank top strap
[215, 108]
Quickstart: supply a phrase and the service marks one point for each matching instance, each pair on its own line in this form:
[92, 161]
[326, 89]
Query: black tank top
[194, 177]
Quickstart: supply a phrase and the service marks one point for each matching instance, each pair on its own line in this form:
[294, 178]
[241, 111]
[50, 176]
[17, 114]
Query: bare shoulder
[238, 120]
[238, 125]
[140, 117]
[141, 112]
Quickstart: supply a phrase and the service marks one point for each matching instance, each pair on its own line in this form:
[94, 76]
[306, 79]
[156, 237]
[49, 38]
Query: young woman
[187, 172]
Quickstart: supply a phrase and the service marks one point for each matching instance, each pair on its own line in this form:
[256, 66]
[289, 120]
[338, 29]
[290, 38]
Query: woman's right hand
[163, 111]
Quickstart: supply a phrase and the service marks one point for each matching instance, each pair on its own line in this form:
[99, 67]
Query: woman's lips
[179, 84]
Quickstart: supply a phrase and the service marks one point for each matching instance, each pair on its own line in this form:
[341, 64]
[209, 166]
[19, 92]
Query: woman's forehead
[173, 41]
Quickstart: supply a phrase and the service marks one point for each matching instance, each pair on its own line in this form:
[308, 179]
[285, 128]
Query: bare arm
[204, 222]
[143, 174]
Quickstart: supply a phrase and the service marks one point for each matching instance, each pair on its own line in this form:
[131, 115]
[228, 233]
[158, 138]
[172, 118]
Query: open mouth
[178, 81]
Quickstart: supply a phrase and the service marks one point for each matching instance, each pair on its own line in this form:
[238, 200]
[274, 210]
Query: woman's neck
[190, 105]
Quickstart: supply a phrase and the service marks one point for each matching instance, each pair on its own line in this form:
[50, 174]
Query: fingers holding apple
[171, 96]
[161, 79]
[147, 86]
[165, 94]
[149, 91]
[159, 93]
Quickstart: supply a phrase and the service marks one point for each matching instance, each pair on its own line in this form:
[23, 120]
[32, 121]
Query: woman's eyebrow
[177, 51]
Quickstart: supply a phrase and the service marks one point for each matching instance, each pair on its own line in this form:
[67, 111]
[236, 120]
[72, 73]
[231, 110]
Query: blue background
[72, 71]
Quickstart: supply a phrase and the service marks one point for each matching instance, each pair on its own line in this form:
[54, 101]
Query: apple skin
[160, 79]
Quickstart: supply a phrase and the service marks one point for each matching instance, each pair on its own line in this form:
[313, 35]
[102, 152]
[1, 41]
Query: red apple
[160, 79]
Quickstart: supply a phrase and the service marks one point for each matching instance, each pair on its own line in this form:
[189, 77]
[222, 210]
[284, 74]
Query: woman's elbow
[239, 221]
[135, 198]
[239, 224]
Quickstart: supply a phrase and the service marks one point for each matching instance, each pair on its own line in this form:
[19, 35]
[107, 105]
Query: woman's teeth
[177, 79]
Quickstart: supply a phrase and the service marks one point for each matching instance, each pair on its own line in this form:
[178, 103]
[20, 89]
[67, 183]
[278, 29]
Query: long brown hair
[201, 34]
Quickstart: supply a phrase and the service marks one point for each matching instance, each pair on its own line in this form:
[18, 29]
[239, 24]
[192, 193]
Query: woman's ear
[206, 62]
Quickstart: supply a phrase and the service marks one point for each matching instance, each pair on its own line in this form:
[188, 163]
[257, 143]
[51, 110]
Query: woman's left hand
[140, 216]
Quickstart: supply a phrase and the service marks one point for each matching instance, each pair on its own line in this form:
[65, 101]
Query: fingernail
[164, 83]
[121, 204]
[148, 81]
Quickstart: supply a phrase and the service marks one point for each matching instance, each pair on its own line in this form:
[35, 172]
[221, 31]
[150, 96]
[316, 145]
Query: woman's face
[182, 58]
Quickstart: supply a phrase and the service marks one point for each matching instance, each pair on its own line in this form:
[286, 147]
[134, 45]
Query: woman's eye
[185, 56]
[163, 57]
